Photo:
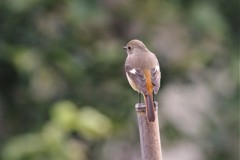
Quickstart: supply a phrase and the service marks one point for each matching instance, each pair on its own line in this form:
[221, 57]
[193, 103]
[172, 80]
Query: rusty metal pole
[149, 134]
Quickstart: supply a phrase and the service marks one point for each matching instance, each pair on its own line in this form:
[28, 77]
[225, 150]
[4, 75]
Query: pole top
[141, 107]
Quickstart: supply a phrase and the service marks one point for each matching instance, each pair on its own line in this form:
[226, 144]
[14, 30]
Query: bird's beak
[125, 47]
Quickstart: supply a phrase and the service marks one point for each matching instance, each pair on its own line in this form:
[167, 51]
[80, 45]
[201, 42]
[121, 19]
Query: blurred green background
[63, 90]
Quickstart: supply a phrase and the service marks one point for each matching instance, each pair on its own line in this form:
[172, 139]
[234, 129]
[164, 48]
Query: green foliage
[53, 140]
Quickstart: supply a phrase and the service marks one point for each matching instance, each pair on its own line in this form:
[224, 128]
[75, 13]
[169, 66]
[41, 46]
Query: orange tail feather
[150, 108]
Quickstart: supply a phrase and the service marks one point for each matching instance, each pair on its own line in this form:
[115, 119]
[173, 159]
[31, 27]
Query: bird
[143, 74]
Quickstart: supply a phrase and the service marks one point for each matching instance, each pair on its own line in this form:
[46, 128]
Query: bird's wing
[138, 78]
[156, 76]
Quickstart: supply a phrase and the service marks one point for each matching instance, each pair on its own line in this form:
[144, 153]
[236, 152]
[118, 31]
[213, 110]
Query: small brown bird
[143, 73]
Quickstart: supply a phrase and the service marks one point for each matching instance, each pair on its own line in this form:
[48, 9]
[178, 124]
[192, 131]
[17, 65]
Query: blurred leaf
[64, 114]
[22, 147]
[92, 124]
[27, 60]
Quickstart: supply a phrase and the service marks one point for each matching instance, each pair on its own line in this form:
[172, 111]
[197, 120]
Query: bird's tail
[150, 108]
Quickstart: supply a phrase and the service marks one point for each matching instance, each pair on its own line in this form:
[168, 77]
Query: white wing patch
[133, 71]
[157, 68]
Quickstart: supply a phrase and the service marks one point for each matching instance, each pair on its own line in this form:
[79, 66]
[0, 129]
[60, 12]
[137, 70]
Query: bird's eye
[129, 47]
